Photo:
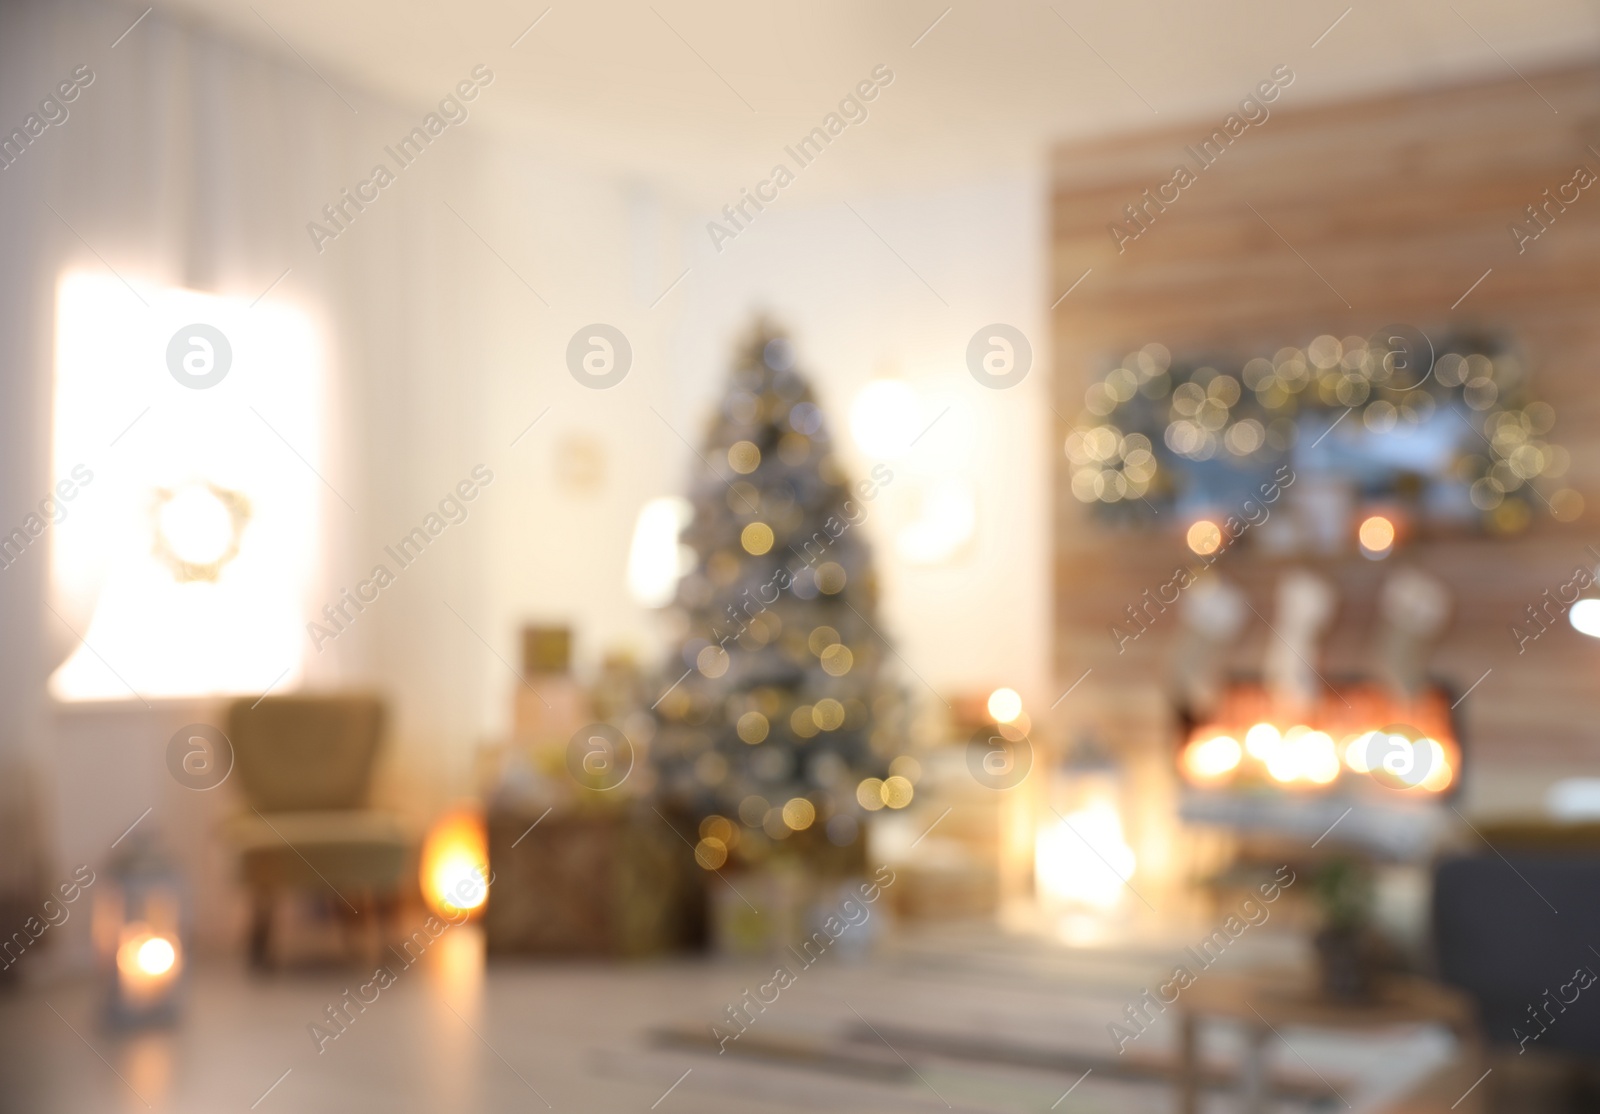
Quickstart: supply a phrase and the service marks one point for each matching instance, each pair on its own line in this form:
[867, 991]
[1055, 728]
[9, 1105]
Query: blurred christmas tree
[783, 729]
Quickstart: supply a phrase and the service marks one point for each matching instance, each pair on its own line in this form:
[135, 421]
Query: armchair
[305, 767]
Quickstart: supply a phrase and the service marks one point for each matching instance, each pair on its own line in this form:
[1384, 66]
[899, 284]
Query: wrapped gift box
[598, 882]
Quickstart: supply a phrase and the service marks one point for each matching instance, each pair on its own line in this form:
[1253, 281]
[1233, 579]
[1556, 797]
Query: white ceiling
[613, 85]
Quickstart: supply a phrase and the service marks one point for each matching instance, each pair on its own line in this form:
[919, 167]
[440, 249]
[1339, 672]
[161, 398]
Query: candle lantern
[140, 923]
[1081, 855]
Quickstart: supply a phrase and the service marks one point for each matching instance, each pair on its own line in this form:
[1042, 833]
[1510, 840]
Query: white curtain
[193, 161]
[190, 161]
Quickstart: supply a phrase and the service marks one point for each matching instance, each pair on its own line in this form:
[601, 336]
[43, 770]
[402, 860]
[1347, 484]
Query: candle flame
[455, 864]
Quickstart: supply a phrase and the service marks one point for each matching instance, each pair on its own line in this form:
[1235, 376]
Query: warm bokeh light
[1377, 534]
[799, 813]
[191, 566]
[802, 723]
[884, 418]
[1304, 755]
[154, 956]
[455, 864]
[1318, 757]
[1204, 537]
[1400, 761]
[1335, 741]
[1355, 753]
[1441, 771]
[656, 558]
[1404, 759]
[831, 577]
[1407, 762]
[711, 853]
[827, 714]
[837, 660]
[147, 965]
[1208, 759]
[869, 794]
[1083, 858]
[712, 661]
[756, 538]
[752, 727]
[897, 791]
[1283, 766]
[1005, 705]
[1262, 740]
[946, 522]
[196, 526]
[1585, 617]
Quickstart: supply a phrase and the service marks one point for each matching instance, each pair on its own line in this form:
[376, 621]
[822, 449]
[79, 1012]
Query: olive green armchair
[305, 766]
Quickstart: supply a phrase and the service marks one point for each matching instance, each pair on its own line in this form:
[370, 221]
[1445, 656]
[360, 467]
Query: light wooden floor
[453, 1035]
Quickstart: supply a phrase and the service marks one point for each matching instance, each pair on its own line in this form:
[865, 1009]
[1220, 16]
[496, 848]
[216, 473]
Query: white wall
[547, 552]
[858, 312]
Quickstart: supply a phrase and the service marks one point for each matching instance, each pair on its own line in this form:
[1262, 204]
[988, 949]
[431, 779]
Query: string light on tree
[1004, 705]
[782, 732]
[1377, 536]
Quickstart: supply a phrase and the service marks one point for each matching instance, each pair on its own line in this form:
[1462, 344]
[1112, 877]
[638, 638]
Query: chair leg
[387, 915]
[349, 918]
[261, 932]
[371, 929]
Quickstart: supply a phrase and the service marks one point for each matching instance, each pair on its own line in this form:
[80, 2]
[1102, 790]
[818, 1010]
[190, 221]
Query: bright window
[184, 559]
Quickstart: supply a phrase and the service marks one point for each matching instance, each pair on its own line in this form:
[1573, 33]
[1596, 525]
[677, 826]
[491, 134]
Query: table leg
[1188, 1063]
[1253, 1081]
[261, 931]
[1475, 1056]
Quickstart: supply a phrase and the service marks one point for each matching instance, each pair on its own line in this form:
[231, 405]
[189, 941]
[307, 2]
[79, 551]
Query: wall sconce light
[656, 558]
[883, 418]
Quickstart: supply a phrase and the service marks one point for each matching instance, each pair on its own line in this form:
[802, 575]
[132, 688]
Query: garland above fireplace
[1429, 436]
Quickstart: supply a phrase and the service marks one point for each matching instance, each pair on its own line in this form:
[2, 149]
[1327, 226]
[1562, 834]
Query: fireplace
[1380, 766]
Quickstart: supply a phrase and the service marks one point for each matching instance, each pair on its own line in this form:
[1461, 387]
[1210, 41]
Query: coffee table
[1267, 1002]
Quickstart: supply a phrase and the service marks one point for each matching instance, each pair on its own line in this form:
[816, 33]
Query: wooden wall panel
[1401, 203]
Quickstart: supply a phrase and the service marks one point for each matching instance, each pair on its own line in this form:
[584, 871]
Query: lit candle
[148, 964]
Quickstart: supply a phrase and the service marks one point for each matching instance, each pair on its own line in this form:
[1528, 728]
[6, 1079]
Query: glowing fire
[455, 865]
[1401, 759]
[1405, 745]
[1208, 759]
